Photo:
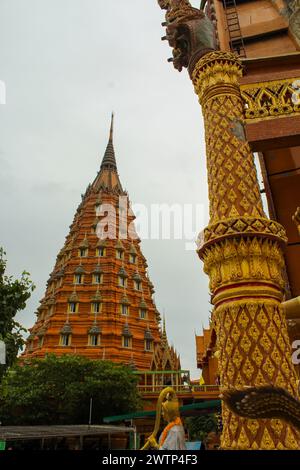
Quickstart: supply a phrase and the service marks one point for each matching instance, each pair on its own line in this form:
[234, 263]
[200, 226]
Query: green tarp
[204, 405]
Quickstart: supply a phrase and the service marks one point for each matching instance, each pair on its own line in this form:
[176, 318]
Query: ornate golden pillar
[241, 249]
[242, 254]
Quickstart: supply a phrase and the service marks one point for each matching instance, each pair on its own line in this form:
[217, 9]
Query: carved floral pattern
[269, 99]
[242, 254]
[243, 361]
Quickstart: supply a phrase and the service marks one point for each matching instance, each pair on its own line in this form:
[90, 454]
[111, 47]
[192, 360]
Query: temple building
[99, 298]
[206, 359]
[242, 57]
[266, 35]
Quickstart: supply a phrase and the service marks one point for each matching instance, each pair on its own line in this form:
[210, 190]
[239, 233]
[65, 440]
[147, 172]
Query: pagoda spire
[108, 178]
[164, 338]
[109, 159]
[111, 131]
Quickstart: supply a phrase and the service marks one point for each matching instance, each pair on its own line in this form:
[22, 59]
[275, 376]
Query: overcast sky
[66, 65]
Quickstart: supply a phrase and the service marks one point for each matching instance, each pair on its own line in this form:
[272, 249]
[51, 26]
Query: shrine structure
[244, 67]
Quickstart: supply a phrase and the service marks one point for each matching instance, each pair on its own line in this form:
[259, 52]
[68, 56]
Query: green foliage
[13, 297]
[200, 426]
[57, 390]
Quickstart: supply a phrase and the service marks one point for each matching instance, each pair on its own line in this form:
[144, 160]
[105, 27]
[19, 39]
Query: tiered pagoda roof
[99, 298]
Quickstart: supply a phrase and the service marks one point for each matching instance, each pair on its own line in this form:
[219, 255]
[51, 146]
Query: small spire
[109, 159]
[111, 132]
[164, 338]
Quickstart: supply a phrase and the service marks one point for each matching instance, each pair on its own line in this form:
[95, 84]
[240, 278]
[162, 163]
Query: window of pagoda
[41, 341]
[148, 345]
[119, 254]
[122, 281]
[143, 313]
[94, 339]
[41, 315]
[78, 278]
[96, 307]
[124, 309]
[132, 258]
[73, 307]
[137, 285]
[126, 342]
[83, 252]
[65, 339]
[97, 278]
[101, 251]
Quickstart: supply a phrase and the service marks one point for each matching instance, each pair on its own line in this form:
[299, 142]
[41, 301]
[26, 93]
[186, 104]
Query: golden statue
[172, 437]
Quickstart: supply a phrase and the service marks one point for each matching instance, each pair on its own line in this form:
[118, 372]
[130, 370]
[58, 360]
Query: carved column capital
[217, 73]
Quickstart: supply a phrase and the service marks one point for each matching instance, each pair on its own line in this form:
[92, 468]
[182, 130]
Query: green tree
[200, 426]
[13, 297]
[57, 390]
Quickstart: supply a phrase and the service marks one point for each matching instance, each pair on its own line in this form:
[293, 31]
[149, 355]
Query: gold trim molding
[271, 99]
[239, 260]
[241, 226]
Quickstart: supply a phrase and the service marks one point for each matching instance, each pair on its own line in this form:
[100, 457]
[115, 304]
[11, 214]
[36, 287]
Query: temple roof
[205, 344]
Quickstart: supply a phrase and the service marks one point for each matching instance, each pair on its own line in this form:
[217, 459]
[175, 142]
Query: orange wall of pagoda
[110, 319]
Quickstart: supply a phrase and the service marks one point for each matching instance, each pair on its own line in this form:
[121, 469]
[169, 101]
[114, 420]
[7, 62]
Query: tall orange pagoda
[99, 298]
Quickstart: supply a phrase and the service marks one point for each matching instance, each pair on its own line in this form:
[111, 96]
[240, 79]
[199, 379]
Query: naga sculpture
[264, 403]
[189, 32]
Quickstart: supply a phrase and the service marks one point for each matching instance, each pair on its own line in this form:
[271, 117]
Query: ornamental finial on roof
[111, 132]
[109, 159]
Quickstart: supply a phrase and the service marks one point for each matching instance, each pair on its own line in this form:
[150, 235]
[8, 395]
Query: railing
[181, 389]
[153, 382]
[159, 388]
[206, 388]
